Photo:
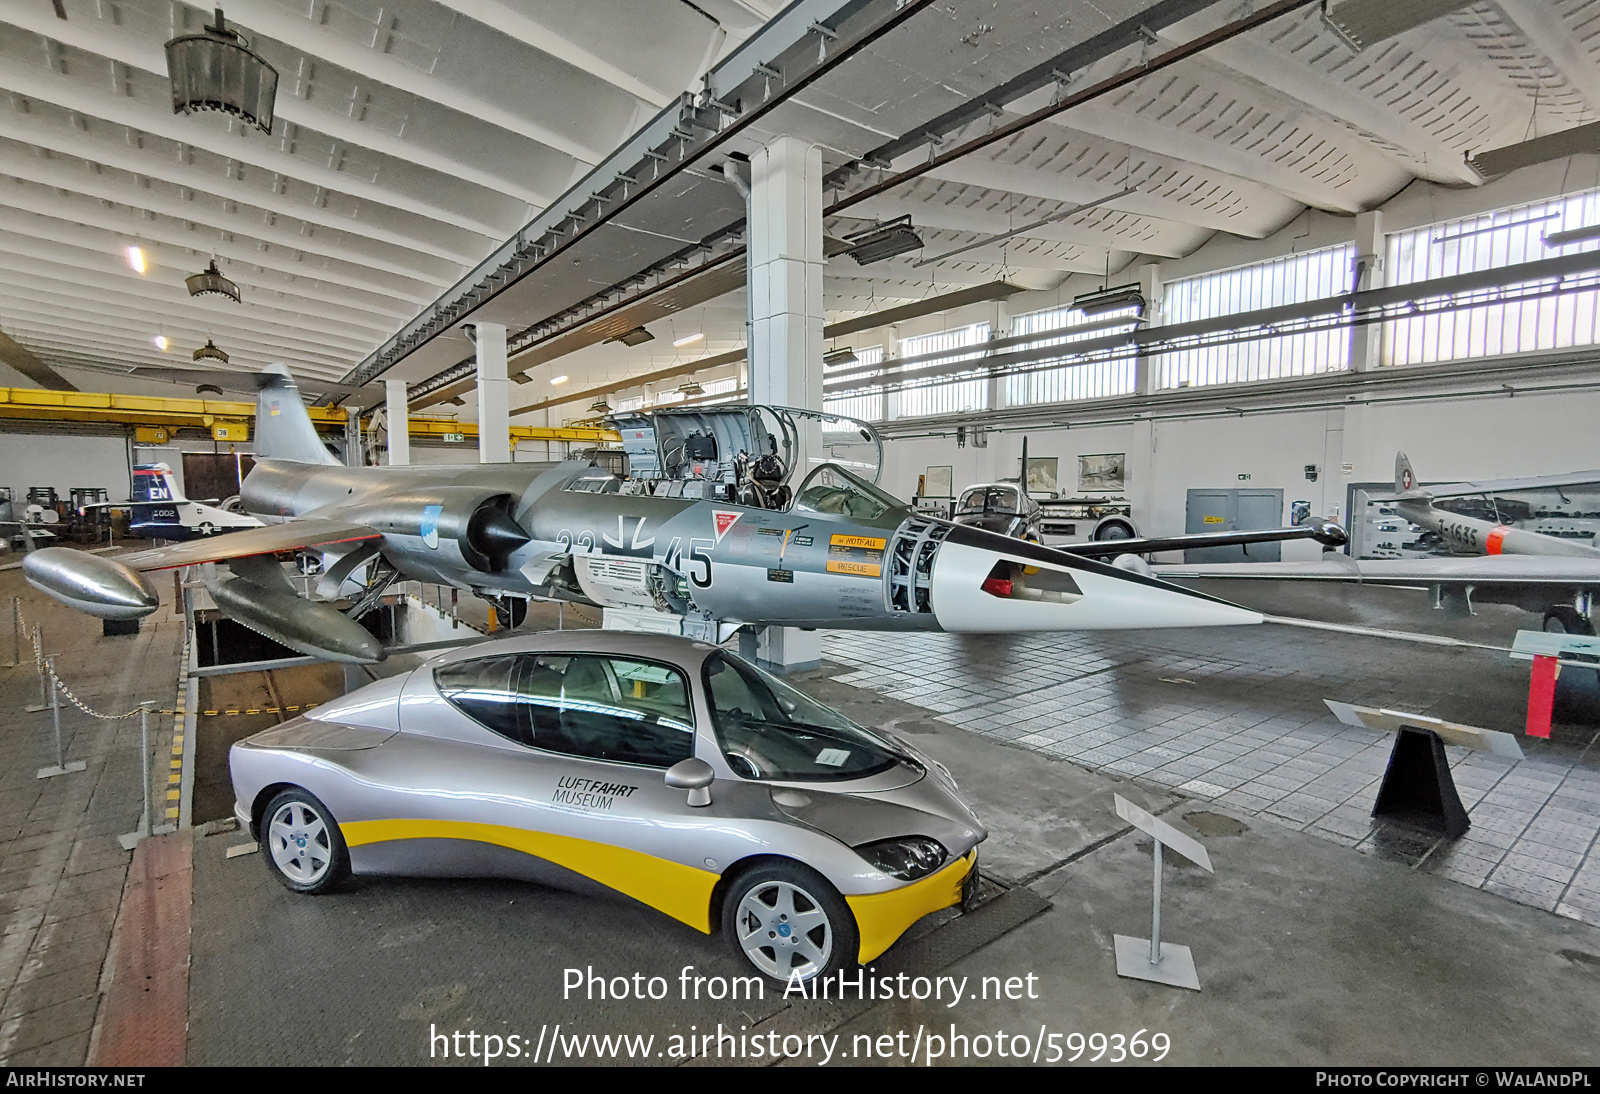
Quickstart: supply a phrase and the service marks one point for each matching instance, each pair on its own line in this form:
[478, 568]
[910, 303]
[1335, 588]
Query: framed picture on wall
[1041, 475]
[1106, 471]
[939, 482]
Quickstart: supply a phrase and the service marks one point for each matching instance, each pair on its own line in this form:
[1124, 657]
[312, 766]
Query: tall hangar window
[1291, 280]
[1095, 380]
[724, 390]
[968, 392]
[864, 403]
[1489, 241]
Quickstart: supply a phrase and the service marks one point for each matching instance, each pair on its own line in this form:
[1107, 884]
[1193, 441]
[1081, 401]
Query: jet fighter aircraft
[695, 524]
[1468, 535]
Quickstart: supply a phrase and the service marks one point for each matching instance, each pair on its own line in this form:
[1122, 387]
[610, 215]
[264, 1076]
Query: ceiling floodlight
[600, 406]
[212, 281]
[559, 379]
[895, 237]
[206, 389]
[839, 357]
[136, 259]
[161, 342]
[1572, 235]
[688, 339]
[635, 337]
[690, 388]
[216, 70]
[209, 351]
[1112, 299]
[1576, 141]
[1362, 22]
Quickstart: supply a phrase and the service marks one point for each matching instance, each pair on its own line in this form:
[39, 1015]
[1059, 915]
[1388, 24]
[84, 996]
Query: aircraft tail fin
[1405, 479]
[283, 428]
[153, 482]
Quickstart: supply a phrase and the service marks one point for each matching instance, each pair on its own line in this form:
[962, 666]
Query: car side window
[608, 708]
[487, 691]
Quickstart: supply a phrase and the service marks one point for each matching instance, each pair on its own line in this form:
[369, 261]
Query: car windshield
[768, 730]
[989, 499]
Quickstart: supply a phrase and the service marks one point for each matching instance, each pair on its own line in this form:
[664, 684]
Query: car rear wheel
[304, 849]
[789, 923]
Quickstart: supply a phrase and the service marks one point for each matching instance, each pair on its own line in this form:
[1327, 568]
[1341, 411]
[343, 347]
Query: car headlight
[905, 857]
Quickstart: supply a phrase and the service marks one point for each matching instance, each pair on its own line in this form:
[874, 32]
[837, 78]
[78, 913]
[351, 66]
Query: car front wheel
[304, 849]
[789, 923]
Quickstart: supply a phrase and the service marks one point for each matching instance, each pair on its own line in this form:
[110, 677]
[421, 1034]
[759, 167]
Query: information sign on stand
[1150, 958]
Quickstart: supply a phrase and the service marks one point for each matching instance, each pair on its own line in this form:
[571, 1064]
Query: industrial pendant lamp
[210, 352]
[690, 389]
[600, 406]
[212, 281]
[216, 70]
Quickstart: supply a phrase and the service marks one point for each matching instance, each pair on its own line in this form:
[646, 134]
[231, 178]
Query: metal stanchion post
[38, 665]
[1155, 912]
[16, 631]
[61, 766]
[147, 819]
[455, 608]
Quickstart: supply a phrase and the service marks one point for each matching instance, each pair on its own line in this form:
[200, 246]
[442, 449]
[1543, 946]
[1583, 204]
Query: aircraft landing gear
[1577, 690]
[510, 612]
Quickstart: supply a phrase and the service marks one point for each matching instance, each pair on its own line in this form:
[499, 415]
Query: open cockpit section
[743, 455]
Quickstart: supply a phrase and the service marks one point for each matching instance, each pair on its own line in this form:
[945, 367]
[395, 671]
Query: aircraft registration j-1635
[708, 520]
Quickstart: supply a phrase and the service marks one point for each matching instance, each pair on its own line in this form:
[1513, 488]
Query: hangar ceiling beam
[530, 32]
[123, 221]
[1547, 32]
[131, 51]
[55, 174]
[135, 114]
[146, 164]
[298, 32]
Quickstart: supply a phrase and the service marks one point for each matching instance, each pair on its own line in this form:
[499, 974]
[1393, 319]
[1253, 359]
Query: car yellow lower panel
[884, 917]
[683, 892]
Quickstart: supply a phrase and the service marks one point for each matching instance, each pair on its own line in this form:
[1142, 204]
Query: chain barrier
[42, 668]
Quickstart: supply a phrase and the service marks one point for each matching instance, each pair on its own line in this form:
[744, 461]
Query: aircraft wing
[268, 539]
[1507, 486]
[1486, 570]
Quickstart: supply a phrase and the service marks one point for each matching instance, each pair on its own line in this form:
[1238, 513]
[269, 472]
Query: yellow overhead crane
[156, 418]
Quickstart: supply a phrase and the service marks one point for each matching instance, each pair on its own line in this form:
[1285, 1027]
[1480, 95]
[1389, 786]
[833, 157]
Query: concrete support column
[1366, 343]
[494, 395]
[398, 414]
[785, 262]
[1147, 370]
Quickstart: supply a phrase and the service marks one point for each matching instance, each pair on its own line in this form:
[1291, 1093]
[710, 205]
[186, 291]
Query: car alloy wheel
[790, 923]
[304, 848]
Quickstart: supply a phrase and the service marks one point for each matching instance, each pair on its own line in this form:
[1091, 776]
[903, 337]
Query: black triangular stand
[1418, 788]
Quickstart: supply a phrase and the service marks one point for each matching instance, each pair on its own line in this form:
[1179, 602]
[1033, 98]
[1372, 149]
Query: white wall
[1447, 439]
[62, 461]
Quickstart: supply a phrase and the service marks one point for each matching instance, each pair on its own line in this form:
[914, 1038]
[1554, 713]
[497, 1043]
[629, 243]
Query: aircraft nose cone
[983, 582]
[99, 586]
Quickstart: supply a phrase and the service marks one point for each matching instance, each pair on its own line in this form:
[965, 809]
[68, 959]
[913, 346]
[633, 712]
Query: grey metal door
[1232, 510]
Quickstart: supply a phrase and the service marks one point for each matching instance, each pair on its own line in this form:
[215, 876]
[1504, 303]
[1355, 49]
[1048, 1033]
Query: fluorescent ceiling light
[559, 379]
[136, 259]
[1556, 146]
[688, 339]
[884, 241]
[635, 337]
[1112, 299]
[1362, 22]
[835, 358]
[1572, 235]
[161, 342]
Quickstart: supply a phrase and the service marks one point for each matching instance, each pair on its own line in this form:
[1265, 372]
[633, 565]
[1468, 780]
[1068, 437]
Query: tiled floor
[1236, 715]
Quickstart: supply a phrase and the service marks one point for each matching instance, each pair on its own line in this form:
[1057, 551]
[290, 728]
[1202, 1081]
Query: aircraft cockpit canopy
[747, 455]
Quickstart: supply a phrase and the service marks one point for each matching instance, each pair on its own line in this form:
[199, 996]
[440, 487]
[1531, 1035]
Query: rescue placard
[858, 569]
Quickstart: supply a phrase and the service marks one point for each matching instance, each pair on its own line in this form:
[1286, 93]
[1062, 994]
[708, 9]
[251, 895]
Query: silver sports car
[667, 770]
